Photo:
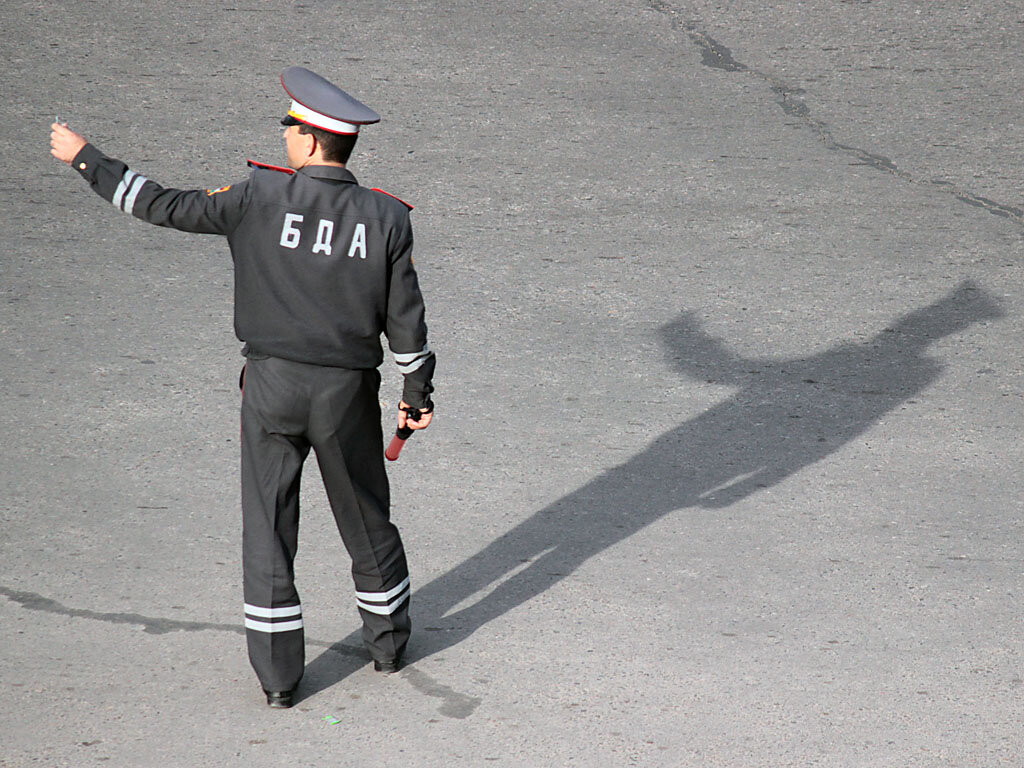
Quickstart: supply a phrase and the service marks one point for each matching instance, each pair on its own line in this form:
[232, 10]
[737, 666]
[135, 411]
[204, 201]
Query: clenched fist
[65, 143]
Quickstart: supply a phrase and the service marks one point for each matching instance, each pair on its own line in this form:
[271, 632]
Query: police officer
[322, 267]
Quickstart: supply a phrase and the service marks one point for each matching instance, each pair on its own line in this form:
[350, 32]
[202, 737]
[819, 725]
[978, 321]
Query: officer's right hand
[404, 421]
[65, 143]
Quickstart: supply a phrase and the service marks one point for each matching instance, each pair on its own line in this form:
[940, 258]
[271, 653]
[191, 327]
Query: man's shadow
[784, 416]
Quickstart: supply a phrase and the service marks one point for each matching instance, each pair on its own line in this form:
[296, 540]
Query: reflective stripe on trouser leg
[276, 645]
[350, 453]
[386, 623]
[272, 458]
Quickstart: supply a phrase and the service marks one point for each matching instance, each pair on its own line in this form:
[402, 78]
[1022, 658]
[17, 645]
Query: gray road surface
[726, 469]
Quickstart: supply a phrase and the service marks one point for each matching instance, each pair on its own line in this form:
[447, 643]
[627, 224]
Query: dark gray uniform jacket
[323, 266]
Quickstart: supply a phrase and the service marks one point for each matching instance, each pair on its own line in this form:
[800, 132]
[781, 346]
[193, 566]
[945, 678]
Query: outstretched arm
[202, 211]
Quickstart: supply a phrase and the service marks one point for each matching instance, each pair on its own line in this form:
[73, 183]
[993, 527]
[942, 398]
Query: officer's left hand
[405, 421]
[65, 143]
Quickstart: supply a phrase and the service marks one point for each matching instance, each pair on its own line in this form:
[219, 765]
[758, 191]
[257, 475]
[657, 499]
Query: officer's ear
[312, 146]
[306, 142]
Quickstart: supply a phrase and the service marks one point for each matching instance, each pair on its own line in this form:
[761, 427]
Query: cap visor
[289, 120]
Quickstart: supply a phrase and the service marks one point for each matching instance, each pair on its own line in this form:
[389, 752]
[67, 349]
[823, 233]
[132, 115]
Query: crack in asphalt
[154, 626]
[717, 56]
[453, 704]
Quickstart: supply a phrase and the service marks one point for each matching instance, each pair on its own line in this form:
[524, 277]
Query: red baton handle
[401, 435]
[397, 443]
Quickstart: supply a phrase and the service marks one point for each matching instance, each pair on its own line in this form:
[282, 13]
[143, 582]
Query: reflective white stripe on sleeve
[269, 626]
[273, 613]
[133, 192]
[122, 187]
[410, 361]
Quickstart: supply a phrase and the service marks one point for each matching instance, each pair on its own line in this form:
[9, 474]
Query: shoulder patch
[267, 166]
[374, 189]
[212, 192]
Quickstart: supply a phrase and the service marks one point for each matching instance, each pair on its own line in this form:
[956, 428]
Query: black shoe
[387, 667]
[279, 699]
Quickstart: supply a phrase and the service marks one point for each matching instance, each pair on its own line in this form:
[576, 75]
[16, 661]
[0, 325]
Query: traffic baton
[401, 435]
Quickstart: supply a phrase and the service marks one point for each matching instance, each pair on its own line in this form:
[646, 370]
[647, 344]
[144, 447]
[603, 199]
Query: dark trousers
[287, 408]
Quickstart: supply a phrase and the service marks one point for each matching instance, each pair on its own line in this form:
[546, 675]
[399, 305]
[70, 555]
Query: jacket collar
[329, 172]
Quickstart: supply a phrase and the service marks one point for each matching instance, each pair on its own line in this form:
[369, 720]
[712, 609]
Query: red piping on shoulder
[374, 189]
[267, 166]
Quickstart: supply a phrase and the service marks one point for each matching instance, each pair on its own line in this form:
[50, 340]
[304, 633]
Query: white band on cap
[314, 118]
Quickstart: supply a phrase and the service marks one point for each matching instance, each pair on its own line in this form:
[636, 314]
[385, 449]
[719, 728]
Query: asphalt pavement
[725, 471]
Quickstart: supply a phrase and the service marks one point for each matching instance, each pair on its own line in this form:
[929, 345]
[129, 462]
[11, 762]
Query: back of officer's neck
[317, 160]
